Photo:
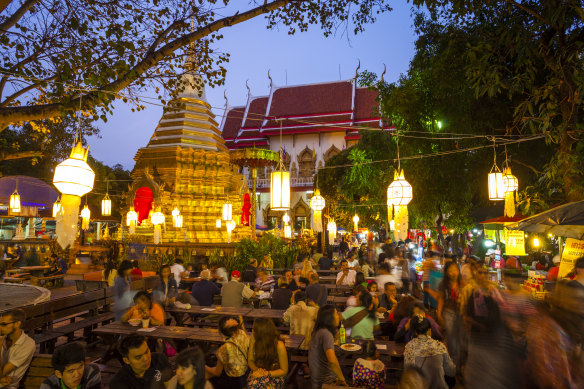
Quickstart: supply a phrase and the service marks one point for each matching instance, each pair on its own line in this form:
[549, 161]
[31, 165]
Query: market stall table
[384, 347]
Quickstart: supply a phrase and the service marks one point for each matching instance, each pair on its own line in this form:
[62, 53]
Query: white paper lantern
[286, 218]
[227, 211]
[157, 218]
[287, 231]
[178, 221]
[131, 217]
[496, 187]
[73, 176]
[280, 190]
[317, 202]
[399, 192]
[218, 223]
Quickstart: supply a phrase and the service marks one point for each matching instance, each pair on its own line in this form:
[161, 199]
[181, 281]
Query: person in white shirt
[352, 261]
[177, 270]
[385, 275]
[16, 349]
[346, 276]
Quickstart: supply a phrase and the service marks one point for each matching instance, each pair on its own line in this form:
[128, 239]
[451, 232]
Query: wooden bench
[14, 271]
[87, 285]
[49, 282]
[14, 280]
[39, 369]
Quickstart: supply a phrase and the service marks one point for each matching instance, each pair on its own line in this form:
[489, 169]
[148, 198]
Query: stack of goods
[535, 284]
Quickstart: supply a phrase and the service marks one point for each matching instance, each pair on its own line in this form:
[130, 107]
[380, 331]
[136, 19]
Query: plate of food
[135, 322]
[351, 347]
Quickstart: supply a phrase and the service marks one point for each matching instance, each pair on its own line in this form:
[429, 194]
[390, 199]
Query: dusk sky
[305, 58]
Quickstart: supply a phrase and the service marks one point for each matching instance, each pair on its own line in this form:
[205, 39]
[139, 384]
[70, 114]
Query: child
[369, 371]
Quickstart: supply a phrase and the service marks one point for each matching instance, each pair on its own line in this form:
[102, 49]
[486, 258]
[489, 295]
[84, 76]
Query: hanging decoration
[106, 206]
[280, 183]
[287, 227]
[15, 201]
[496, 188]
[177, 221]
[510, 186]
[227, 211]
[317, 204]
[73, 178]
[157, 218]
[332, 230]
[399, 195]
[356, 223]
[57, 207]
[230, 227]
[85, 215]
[218, 223]
[132, 220]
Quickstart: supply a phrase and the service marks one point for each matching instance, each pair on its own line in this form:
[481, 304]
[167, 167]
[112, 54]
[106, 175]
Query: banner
[514, 243]
[573, 250]
[491, 235]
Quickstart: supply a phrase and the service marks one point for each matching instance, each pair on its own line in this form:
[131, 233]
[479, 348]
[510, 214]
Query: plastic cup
[145, 323]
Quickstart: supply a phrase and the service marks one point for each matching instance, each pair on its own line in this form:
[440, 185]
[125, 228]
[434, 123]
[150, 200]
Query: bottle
[342, 334]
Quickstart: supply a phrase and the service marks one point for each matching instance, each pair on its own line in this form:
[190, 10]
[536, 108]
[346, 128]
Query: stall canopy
[34, 193]
[501, 222]
[566, 220]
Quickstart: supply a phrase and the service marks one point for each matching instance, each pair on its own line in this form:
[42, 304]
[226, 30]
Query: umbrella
[566, 220]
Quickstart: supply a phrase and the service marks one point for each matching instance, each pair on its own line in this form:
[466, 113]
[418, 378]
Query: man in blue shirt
[204, 290]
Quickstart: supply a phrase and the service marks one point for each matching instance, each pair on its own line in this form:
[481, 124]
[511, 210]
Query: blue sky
[304, 57]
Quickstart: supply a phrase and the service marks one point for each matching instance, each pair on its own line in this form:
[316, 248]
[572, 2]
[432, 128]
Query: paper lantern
[356, 223]
[106, 206]
[399, 192]
[286, 218]
[317, 204]
[218, 223]
[57, 207]
[287, 231]
[73, 176]
[178, 221]
[332, 230]
[15, 202]
[85, 215]
[392, 225]
[157, 218]
[227, 211]
[175, 212]
[230, 225]
[496, 187]
[280, 190]
[132, 217]
[510, 186]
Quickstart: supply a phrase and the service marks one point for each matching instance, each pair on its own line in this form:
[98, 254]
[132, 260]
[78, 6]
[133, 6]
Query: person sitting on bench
[16, 348]
[58, 266]
[71, 371]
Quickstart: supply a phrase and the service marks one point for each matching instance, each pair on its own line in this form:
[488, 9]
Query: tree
[530, 53]
[60, 56]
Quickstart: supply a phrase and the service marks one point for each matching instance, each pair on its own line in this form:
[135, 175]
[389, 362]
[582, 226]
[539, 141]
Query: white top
[349, 279]
[20, 355]
[177, 269]
[354, 263]
[222, 274]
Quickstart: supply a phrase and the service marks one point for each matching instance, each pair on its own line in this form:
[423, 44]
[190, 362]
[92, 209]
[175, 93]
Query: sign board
[514, 242]
[573, 250]
[491, 235]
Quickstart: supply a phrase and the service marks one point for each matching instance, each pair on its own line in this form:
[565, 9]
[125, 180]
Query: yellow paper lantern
[106, 206]
[57, 207]
[15, 202]
[280, 190]
[73, 176]
[356, 222]
[510, 182]
[227, 211]
[132, 217]
[399, 192]
[332, 230]
[85, 215]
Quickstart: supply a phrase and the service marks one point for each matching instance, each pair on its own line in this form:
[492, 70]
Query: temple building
[313, 122]
[186, 165]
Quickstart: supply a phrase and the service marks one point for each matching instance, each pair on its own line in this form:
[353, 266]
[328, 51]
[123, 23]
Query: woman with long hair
[190, 371]
[110, 272]
[369, 371]
[448, 313]
[166, 290]
[362, 320]
[322, 360]
[267, 357]
[122, 289]
[230, 372]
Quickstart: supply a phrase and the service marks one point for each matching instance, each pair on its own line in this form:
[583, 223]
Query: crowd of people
[458, 327]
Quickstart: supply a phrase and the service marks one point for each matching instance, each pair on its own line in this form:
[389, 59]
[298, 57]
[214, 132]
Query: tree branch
[533, 169]
[7, 156]
[529, 11]
[19, 13]
[11, 115]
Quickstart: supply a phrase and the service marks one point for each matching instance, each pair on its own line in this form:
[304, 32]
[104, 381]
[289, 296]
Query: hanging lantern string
[506, 158]
[78, 131]
[398, 161]
[495, 167]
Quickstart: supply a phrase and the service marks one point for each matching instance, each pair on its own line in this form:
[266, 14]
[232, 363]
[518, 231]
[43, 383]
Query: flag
[313, 152]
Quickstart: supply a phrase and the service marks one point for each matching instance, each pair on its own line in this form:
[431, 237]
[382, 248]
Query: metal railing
[294, 182]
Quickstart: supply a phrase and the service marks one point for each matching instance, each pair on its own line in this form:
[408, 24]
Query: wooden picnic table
[274, 314]
[212, 310]
[212, 335]
[318, 271]
[384, 347]
[35, 271]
